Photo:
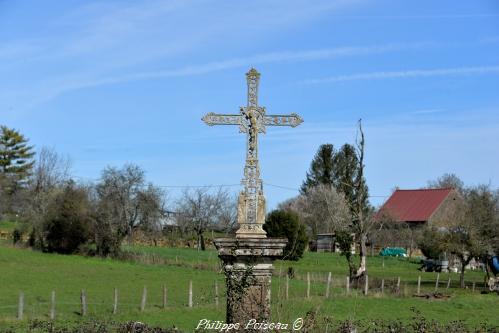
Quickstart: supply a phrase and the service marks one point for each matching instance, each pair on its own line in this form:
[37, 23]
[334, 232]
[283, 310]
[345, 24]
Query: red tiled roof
[414, 205]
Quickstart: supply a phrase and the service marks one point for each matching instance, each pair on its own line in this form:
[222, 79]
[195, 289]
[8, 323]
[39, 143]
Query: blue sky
[111, 82]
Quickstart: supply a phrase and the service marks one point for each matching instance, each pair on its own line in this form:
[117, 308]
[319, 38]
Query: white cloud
[131, 33]
[107, 25]
[285, 56]
[111, 42]
[61, 85]
[407, 74]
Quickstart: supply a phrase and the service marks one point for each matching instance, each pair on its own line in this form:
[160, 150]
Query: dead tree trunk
[361, 271]
[464, 263]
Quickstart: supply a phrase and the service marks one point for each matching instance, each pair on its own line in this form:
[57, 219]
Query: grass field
[37, 274]
[7, 226]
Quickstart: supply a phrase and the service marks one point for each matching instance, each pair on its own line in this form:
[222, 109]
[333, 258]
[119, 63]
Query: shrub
[16, 236]
[66, 225]
[281, 223]
[432, 243]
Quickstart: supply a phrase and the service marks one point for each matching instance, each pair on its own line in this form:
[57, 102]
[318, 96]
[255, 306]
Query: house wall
[448, 211]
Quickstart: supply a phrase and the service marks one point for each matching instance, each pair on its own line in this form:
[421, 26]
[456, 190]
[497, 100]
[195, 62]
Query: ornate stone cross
[252, 120]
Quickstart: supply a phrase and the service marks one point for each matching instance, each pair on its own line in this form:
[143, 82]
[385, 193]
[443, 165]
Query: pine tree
[345, 162]
[346, 176]
[321, 168]
[16, 159]
[344, 170]
[339, 169]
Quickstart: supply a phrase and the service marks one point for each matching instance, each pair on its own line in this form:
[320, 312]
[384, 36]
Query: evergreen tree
[346, 175]
[344, 170]
[339, 169]
[345, 162]
[321, 168]
[68, 220]
[16, 159]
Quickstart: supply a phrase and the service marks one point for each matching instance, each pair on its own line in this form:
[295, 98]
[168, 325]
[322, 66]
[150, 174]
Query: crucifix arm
[292, 120]
[222, 119]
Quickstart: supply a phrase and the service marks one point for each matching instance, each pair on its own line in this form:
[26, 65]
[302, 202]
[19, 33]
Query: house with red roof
[420, 207]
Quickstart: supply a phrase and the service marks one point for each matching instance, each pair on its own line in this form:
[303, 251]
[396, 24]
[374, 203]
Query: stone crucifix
[252, 120]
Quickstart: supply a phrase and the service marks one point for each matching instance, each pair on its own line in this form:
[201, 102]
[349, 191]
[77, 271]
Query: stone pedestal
[248, 271]
[250, 218]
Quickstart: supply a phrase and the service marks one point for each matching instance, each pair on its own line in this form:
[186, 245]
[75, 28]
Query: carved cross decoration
[252, 120]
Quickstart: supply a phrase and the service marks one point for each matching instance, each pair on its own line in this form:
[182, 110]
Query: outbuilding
[420, 207]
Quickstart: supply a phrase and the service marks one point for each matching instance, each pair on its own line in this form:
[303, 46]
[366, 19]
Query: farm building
[405, 213]
[420, 207]
[326, 242]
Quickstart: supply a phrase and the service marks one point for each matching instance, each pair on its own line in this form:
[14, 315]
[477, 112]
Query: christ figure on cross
[252, 120]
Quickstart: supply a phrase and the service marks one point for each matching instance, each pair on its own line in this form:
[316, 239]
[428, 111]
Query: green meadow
[7, 226]
[37, 274]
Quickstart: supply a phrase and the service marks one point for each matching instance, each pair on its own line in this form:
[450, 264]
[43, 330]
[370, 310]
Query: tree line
[470, 229]
[334, 199]
[57, 213]
[60, 214]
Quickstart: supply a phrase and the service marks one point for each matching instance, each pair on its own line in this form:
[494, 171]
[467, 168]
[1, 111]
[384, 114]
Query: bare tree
[350, 181]
[50, 173]
[50, 170]
[363, 220]
[228, 215]
[200, 210]
[466, 230]
[151, 201]
[322, 208]
[124, 202]
[118, 192]
[4, 197]
[388, 232]
[472, 226]
[448, 180]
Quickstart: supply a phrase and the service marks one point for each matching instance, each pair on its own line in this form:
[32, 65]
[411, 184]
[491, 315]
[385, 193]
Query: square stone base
[248, 270]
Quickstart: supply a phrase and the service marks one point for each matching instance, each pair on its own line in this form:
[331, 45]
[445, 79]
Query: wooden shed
[326, 242]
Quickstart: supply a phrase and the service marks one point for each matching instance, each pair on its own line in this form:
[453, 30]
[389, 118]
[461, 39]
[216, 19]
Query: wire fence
[306, 285]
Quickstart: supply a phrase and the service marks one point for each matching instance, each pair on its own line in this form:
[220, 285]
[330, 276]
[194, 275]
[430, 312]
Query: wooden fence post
[143, 300]
[328, 284]
[436, 283]
[473, 287]
[115, 303]
[216, 293]
[419, 285]
[287, 286]
[83, 300]
[52, 305]
[448, 283]
[366, 285]
[308, 285]
[348, 285]
[20, 306]
[382, 286]
[398, 285]
[190, 293]
[165, 296]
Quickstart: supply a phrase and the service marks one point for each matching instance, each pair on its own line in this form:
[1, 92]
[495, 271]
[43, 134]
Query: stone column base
[247, 230]
[248, 271]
